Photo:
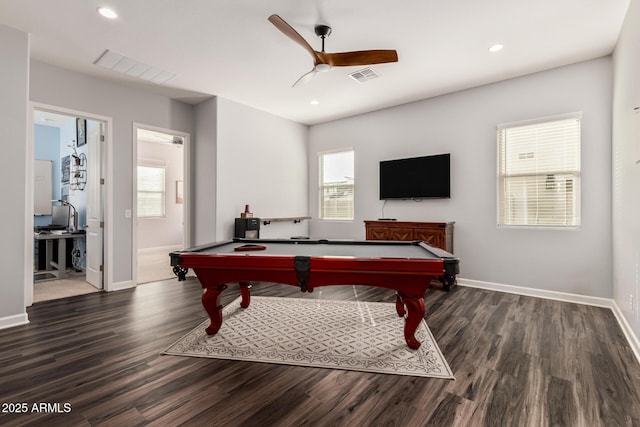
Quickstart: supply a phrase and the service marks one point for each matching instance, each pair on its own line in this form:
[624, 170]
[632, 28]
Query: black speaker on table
[248, 228]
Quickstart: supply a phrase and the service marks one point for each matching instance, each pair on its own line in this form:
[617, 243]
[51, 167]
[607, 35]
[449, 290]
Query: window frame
[577, 182]
[321, 185]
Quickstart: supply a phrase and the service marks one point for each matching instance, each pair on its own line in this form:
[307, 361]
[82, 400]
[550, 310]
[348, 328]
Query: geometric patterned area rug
[349, 335]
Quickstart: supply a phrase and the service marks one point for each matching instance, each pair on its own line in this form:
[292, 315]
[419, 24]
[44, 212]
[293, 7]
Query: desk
[406, 267]
[60, 265]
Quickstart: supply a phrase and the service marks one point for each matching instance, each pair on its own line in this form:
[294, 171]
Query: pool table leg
[399, 305]
[211, 303]
[415, 313]
[448, 280]
[245, 291]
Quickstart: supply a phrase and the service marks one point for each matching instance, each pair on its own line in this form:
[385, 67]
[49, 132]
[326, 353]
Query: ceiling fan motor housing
[322, 30]
[322, 68]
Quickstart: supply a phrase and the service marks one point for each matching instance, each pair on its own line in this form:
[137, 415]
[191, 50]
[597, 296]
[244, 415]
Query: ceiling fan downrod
[323, 32]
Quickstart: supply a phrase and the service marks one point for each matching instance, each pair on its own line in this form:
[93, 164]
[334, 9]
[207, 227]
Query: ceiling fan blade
[362, 57]
[305, 77]
[288, 31]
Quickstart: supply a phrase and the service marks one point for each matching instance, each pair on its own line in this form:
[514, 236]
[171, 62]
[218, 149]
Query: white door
[94, 225]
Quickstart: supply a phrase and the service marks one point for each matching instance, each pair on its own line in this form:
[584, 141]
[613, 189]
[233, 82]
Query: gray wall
[626, 173]
[203, 172]
[14, 93]
[262, 161]
[464, 124]
[125, 105]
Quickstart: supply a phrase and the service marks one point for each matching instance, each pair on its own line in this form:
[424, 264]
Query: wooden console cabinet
[438, 234]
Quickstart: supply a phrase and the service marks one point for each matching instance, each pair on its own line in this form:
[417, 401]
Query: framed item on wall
[179, 192]
[81, 132]
[65, 164]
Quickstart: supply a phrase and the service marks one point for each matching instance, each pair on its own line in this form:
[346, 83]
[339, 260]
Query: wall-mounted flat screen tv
[426, 177]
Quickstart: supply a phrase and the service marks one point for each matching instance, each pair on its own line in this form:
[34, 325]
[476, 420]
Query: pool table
[405, 267]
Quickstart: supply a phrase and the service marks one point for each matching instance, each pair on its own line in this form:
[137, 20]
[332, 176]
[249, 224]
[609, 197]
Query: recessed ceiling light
[107, 13]
[496, 47]
[314, 102]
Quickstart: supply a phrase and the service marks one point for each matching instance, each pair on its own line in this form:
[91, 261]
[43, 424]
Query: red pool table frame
[409, 277]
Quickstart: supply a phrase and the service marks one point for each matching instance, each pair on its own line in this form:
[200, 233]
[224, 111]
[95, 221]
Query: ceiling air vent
[364, 75]
[117, 62]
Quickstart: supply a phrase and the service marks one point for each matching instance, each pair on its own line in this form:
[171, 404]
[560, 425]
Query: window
[336, 185]
[539, 173]
[151, 191]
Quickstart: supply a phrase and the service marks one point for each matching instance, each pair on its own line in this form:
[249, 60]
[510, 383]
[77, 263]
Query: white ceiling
[47, 118]
[229, 49]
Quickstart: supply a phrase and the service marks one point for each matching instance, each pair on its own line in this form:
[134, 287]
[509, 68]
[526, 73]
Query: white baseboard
[11, 321]
[609, 303]
[626, 329]
[119, 286]
[538, 293]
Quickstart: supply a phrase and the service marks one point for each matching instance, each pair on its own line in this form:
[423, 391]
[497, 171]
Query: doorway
[160, 207]
[68, 204]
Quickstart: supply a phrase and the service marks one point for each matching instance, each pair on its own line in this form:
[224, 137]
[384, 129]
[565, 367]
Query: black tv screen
[426, 177]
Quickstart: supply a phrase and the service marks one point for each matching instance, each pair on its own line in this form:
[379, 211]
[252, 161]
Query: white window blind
[151, 191]
[336, 185]
[539, 173]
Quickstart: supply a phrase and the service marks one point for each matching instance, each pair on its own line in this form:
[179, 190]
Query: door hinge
[101, 267]
[101, 138]
[101, 181]
[101, 224]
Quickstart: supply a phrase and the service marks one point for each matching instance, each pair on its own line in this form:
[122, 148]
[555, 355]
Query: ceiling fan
[322, 61]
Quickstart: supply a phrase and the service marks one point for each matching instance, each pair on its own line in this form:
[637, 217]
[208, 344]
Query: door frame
[186, 174]
[107, 193]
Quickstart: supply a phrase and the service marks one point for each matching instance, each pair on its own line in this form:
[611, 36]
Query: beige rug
[350, 335]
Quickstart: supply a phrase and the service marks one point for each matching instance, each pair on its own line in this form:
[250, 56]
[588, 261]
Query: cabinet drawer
[401, 234]
[437, 234]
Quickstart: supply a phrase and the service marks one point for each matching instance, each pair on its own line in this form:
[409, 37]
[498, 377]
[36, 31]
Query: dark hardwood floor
[518, 361]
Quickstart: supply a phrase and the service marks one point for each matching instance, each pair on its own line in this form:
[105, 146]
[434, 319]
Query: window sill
[539, 227]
